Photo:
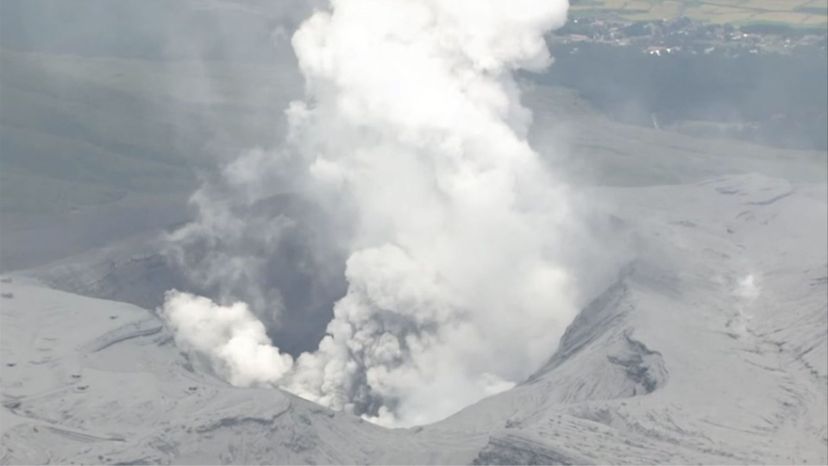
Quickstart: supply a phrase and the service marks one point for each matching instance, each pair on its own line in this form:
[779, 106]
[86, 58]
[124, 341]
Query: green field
[792, 13]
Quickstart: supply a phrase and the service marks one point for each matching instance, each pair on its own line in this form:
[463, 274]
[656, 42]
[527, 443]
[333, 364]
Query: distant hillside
[107, 118]
[788, 13]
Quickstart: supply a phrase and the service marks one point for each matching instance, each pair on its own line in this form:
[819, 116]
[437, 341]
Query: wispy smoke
[746, 291]
[412, 144]
[747, 288]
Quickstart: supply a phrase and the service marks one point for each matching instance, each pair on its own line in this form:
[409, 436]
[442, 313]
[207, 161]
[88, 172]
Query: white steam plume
[232, 337]
[413, 130]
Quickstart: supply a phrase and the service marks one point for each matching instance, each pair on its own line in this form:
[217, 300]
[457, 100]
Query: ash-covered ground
[700, 327]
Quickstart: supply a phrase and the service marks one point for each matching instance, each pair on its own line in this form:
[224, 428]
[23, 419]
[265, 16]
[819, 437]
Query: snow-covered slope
[710, 347]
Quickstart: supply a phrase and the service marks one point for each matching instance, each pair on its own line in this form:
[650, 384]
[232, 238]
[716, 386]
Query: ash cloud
[409, 161]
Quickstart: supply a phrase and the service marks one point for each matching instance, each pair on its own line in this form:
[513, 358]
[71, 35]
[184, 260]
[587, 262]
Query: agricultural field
[791, 13]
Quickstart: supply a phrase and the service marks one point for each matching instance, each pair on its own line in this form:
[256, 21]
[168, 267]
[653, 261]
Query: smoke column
[412, 134]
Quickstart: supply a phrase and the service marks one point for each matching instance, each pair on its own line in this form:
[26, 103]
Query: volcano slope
[710, 347]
